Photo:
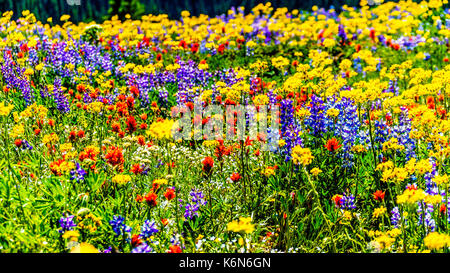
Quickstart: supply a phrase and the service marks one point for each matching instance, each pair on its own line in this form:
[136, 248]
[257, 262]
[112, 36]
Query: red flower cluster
[208, 164]
[114, 156]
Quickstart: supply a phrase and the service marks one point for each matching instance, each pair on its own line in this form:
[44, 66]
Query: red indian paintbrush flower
[114, 156]
[333, 145]
[175, 249]
[208, 164]
[150, 199]
[169, 194]
[131, 124]
[235, 177]
[378, 195]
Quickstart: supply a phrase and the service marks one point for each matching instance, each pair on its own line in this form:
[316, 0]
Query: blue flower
[78, 173]
[148, 229]
[118, 225]
[142, 248]
[67, 223]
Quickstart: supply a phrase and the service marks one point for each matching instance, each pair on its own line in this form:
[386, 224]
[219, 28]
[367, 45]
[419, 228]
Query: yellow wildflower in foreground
[302, 155]
[84, 248]
[71, 235]
[161, 181]
[315, 171]
[411, 196]
[436, 241]
[121, 179]
[269, 171]
[242, 225]
[161, 129]
[5, 110]
[379, 212]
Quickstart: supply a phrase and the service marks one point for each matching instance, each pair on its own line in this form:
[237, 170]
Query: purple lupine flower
[347, 201]
[142, 248]
[289, 129]
[342, 34]
[66, 223]
[148, 229]
[61, 101]
[26, 145]
[118, 225]
[78, 173]
[316, 120]
[192, 207]
[395, 218]
[108, 250]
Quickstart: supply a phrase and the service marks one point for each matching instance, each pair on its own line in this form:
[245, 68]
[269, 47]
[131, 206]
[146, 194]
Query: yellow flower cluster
[261, 100]
[411, 196]
[161, 181]
[302, 155]
[392, 145]
[50, 138]
[161, 130]
[379, 212]
[121, 179]
[243, 225]
[5, 110]
[436, 241]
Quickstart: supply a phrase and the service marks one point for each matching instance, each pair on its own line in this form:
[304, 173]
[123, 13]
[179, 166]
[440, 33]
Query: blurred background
[99, 10]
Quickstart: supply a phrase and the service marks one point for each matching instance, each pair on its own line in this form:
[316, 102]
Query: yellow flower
[280, 62]
[379, 212]
[65, 147]
[329, 42]
[315, 171]
[121, 179]
[269, 171]
[72, 235]
[440, 179]
[333, 112]
[64, 17]
[84, 248]
[411, 196]
[302, 155]
[433, 199]
[17, 131]
[423, 166]
[161, 181]
[5, 110]
[243, 225]
[161, 129]
[261, 100]
[385, 241]
[436, 241]
[50, 138]
[95, 107]
[359, 148]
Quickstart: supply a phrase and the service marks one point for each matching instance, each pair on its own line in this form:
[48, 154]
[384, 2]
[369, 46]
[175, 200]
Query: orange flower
[235, 177]
[169, 194]
[131, 124]
[150, 198]
[175, 249]
[136, 169]
[114, 156]
[378, 195]
[333, 145]
[208, 164]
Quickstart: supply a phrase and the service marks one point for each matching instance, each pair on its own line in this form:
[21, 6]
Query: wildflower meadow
[261, 131]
